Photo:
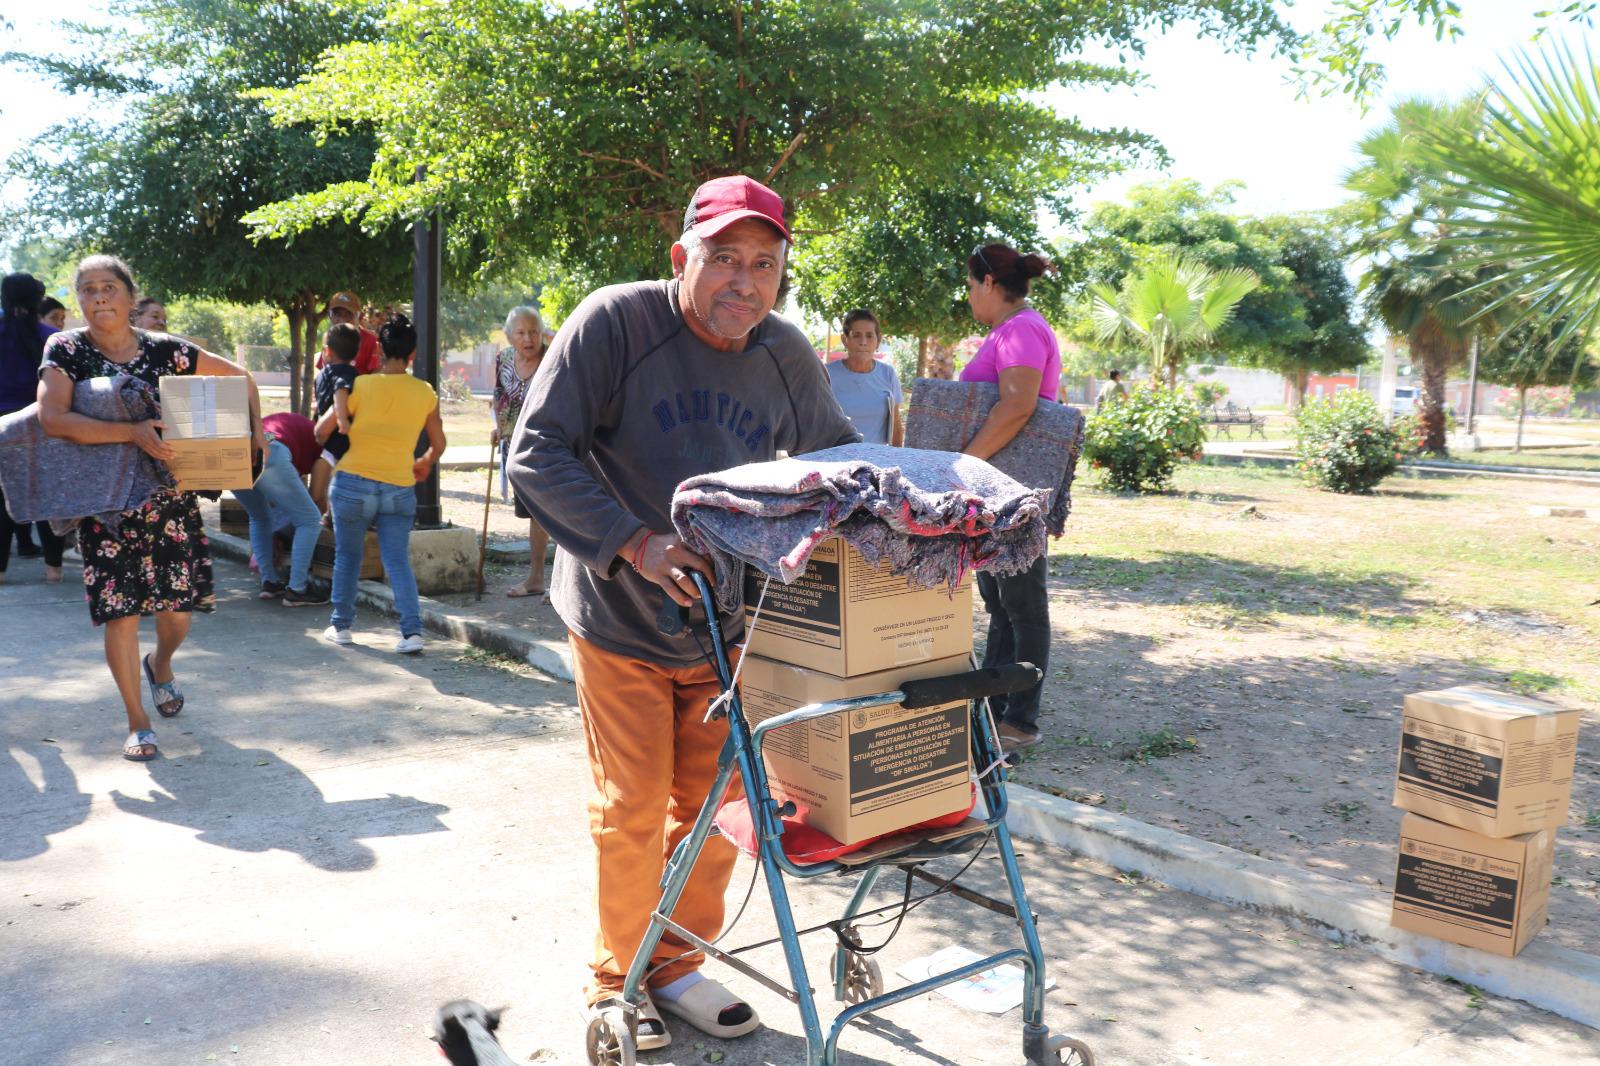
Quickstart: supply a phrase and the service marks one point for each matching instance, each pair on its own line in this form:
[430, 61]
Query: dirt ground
[1237, 675]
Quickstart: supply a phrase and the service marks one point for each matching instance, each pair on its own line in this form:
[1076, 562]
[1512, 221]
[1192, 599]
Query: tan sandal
[704, 1005]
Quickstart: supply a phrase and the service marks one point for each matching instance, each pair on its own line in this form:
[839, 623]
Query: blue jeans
[280, 489]
[1019, 632]
[357, 504]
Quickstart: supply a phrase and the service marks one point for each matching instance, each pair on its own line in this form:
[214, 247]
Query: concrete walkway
[336, 840]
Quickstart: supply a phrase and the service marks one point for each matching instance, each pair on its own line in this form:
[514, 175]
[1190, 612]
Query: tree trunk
[922, 357]
[1436, 353]
[294, 313]
[1522, 413]
[1302, 382]
[941, 360]
[312, 322]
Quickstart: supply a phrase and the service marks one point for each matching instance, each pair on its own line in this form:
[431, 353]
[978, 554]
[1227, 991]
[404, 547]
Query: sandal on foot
[652, 1032]
[137, 741]
[714, 1010]
[164, 693]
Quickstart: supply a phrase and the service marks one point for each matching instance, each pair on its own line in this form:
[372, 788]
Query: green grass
[1402, 560]
[1587, 458]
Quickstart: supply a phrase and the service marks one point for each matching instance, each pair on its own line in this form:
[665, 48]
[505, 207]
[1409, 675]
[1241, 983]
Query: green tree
[1299, 321]
[163, 173]
[1419, 283]
[907, 264]
[1329, 338]
[1528, 181]
[1172, 306]
[1537, 353]
[579, 136]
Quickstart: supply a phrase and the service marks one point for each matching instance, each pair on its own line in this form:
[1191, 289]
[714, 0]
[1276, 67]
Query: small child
[334, 382]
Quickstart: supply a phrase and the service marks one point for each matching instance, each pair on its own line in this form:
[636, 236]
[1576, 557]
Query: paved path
[337, 840]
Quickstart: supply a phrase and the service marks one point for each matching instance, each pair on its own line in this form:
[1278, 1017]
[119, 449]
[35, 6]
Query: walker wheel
[863, 978]
[1070, 1052]
[610, 1043]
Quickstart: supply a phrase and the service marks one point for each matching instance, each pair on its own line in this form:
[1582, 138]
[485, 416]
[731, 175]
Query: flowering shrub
[1209, 393]
[1343, 444]
[453, 387]
[1139, 441]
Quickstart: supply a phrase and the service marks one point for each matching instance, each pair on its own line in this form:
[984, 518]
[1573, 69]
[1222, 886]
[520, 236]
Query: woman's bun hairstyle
[397, 337]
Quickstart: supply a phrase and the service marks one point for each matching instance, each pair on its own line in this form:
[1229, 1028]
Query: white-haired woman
[513, 370]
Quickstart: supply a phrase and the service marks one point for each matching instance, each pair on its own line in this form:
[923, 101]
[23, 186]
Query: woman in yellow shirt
[376, 483]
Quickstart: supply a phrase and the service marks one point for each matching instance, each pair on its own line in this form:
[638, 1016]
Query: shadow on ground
[325, 834]
[1169, 578]
[36, 812]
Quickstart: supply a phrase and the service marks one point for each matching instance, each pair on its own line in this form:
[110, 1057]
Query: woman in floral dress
[512, 371]
[154, 560]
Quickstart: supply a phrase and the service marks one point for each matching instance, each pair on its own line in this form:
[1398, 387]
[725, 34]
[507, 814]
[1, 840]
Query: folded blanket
[45, 478]
[931, 516]
[1043, 454]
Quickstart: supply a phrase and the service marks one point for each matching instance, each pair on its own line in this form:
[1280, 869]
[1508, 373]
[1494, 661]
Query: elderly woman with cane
[513, 371]
[154, 559]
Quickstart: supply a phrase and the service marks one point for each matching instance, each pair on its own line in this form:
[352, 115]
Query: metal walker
[857, 980]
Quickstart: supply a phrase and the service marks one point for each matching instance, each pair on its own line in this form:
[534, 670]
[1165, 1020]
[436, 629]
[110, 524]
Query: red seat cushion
[805, 844]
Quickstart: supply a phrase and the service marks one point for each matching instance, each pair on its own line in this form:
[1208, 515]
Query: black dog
[464, 1031]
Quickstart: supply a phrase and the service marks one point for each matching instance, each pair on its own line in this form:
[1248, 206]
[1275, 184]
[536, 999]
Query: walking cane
[483, 538]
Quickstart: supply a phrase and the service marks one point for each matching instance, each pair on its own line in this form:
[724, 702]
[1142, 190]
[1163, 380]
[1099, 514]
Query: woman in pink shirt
[1021, 356]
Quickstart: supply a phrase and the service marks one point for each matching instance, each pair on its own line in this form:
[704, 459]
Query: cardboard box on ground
[861, 774]
[1487, 761]
[208, 427]
[322, 557]
[847, 618]
[1467, 888]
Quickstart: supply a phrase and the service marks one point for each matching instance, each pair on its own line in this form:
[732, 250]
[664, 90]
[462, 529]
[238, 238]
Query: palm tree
[1171, 306]
[1419, 283]
[1529, 180]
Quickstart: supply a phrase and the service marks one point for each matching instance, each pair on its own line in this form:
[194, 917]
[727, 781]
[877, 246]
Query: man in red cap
[647, 384]
[345, 308]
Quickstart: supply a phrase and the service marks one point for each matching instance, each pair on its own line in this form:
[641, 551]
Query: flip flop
[164, 693]
[517, 592]
[703, 1006]
[140, 738]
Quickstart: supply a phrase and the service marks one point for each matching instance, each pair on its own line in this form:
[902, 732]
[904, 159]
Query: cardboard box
[208, 426]
[322, 557]
[1484, 892]
[231, 517]
[1487, 761]
[862, 774]
[847, 618]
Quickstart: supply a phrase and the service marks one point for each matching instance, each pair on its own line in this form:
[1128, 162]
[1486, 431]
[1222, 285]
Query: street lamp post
[427, 266]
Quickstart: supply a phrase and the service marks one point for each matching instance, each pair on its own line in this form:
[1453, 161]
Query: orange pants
[653, 760]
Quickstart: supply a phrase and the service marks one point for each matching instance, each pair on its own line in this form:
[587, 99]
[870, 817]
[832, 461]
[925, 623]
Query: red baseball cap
[721, 202]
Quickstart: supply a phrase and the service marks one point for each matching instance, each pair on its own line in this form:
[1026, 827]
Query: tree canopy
[578, 135]
[1300, 320]
[166, 170]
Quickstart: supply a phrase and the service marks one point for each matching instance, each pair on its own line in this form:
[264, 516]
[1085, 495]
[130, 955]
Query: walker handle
[973, 685]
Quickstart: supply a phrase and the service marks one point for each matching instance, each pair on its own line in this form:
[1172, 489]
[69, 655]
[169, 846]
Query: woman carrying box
[153, 559]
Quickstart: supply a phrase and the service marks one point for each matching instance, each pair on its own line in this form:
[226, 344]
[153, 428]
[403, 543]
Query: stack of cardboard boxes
[845, 629]
[1484, 777]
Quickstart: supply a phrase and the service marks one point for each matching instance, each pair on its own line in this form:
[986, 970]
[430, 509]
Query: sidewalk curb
[1554, 978]
[548, 656]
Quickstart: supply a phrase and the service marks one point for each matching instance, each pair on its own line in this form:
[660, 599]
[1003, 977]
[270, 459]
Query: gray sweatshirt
[628, 403]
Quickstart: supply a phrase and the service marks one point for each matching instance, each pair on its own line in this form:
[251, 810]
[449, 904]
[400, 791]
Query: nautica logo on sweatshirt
[702, 406]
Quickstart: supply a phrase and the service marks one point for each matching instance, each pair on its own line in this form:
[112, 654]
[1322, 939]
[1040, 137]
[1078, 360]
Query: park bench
[1228, 415]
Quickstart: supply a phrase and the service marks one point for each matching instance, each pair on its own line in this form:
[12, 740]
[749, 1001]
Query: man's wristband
[638, 553]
